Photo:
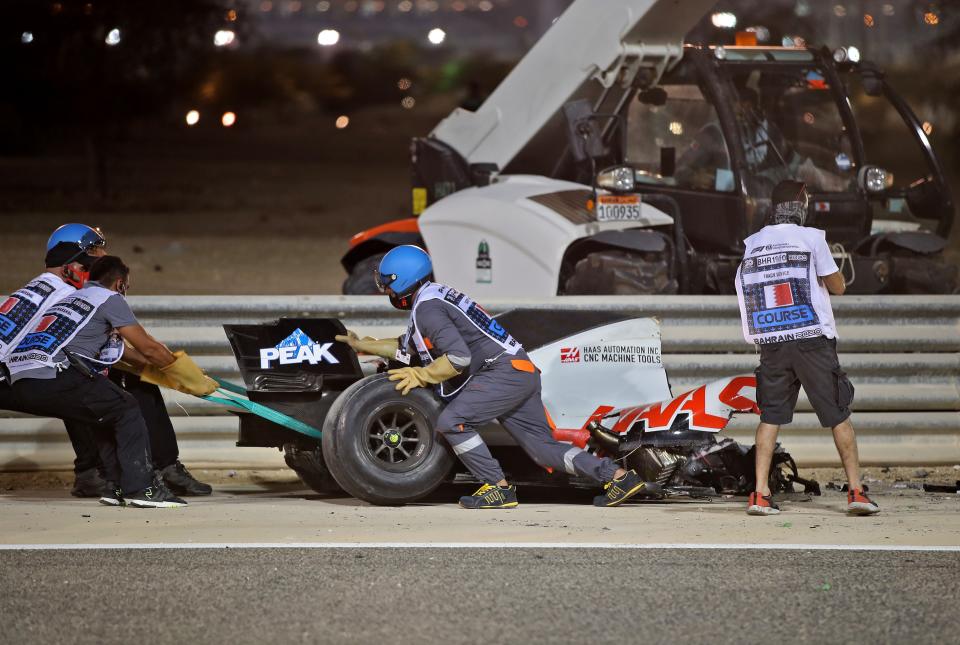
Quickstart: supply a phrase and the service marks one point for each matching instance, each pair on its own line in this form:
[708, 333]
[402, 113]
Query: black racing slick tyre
[310, 467]
[618, 272]
[361, 282]
[381, 446]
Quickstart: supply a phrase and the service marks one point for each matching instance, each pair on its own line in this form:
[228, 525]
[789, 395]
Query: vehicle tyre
[381, 446]
[620, 272]
[360, 282]
[310, 467]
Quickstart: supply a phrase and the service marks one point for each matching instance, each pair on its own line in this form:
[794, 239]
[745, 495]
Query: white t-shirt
[780, 297]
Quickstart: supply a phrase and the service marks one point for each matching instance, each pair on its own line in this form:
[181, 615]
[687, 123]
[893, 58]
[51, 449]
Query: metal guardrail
[902, 354]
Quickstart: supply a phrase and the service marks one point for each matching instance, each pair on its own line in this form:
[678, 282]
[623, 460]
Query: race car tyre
[381, 446]
[360, 282]
[619, 272]
[310, 468]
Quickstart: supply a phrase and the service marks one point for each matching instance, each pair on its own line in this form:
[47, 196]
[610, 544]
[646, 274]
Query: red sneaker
[760, 505]
[859, 504]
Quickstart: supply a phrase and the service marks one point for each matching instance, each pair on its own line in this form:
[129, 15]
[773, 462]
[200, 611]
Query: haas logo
[569, 354]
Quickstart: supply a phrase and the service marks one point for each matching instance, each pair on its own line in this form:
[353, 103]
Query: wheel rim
[397, 438]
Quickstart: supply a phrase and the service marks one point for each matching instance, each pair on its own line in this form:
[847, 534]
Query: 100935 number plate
[618, 208]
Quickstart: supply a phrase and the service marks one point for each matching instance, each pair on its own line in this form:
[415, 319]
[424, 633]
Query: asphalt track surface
[470, 595]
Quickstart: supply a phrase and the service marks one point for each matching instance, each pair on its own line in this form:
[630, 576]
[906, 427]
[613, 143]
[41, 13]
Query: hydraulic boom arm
[606, 40]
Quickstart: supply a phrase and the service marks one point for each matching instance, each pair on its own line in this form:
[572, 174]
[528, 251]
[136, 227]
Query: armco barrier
[902, 354]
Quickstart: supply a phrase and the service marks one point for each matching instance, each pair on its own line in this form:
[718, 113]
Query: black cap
[67, 252]
[788, 191]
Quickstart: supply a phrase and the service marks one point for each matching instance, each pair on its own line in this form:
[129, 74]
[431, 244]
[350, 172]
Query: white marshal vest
[57, 327]
[20, 312]
[473, 312]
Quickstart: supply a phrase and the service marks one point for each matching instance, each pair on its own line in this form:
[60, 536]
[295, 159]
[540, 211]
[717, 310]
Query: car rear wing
[293, 366]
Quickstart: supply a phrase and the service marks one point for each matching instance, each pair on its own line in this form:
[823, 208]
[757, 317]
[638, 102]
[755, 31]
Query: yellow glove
[152, 374]
[187, 376]
[438, 371]
[385, 348]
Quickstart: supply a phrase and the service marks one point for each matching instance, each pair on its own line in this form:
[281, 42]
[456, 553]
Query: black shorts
[812, 363]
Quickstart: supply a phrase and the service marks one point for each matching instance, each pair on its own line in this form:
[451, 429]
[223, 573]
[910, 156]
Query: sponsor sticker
[295, 349]
[636, 354]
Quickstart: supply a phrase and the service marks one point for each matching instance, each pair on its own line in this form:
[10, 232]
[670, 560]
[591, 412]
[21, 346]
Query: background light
[763, 34]
[113, 37]
[408, 102]
[26, 37]
[328, 37]
[228, 119]
[724, 20]
[224, 37]
[342, 121]
[192, 117]
[853, 54]
[436, 36]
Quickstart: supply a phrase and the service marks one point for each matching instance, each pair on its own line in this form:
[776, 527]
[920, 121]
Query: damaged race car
[604, 388]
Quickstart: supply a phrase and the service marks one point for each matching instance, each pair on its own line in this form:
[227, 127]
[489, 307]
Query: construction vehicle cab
[640, 165]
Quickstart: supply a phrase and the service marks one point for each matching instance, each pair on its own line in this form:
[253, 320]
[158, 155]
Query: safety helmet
[88, 237]
[74, 262]
[402, 270]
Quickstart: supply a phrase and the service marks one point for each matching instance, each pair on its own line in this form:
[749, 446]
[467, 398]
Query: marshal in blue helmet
[88, 237]
[401, 272]
[483, 373]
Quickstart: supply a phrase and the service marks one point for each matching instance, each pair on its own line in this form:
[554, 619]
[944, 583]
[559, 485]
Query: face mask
[404, 303]
[75, 275]
[790, 213]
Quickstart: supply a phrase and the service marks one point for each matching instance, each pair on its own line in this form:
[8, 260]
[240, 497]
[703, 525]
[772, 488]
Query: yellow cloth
[438, 371]
[188, 376]
[385, 348]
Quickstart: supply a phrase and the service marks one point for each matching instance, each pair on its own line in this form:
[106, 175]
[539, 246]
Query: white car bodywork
[613, 366]
[614, 374]
[526, 239]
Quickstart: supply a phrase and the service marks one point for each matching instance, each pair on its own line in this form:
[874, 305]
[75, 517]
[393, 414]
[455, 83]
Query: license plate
[618, 208]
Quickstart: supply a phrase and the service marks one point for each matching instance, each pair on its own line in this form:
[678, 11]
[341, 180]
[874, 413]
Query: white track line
[479, 545]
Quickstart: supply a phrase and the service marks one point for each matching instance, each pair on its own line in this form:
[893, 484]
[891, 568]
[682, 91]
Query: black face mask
[404, 303]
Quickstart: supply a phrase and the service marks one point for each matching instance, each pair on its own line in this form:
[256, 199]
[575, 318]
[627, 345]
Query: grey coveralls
[496, 390]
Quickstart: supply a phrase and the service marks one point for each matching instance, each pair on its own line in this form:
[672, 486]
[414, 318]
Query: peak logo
[297, 348]
[569, 354]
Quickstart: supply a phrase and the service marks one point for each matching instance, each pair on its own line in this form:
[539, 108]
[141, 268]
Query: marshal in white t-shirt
[780, 295]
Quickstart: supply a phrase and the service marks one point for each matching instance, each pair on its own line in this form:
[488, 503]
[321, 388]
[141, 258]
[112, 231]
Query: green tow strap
[234, 396]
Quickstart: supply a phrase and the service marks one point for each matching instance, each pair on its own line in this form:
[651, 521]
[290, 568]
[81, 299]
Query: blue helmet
[403, 269]
[86, 236]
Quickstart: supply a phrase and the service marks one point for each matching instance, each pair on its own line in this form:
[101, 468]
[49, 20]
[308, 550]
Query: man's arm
[155, 352]
[827, 270]
[440, 332]
[445, 342]
[834, 283]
